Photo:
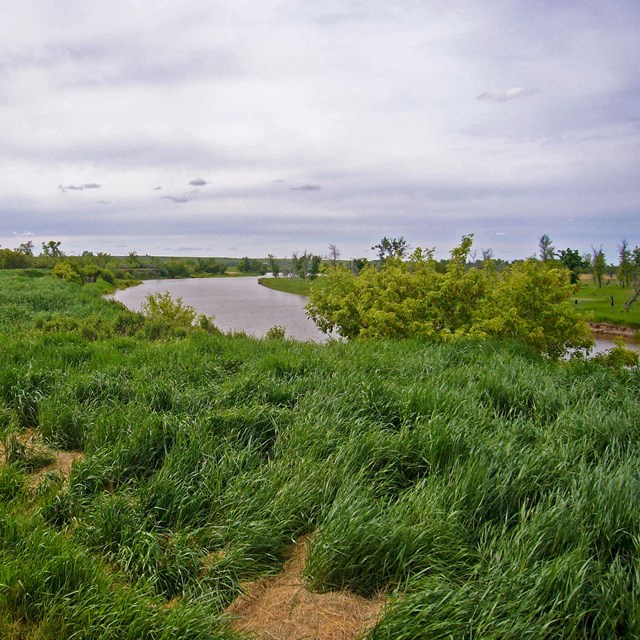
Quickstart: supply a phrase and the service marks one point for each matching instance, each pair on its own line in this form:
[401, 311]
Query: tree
[249, 265]
[546, 249]
[391, 248]
[12, 259]
[334, 255]
[635, 293]
[598, 265]
[51, 249]
[487, 255]
[26, 248]
[527, 301]
[314, 266]
[273, 265]
[133, 260]
[625, 264]
[572, 259]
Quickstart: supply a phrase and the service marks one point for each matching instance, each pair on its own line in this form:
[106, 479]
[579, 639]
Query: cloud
[198, 182]
[307, 187]
[504, 95]
[79, 187]
[23, 234]
[157, 188]
[178, 199]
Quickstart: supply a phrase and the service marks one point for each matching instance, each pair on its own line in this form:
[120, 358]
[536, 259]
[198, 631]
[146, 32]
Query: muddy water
[238, 305]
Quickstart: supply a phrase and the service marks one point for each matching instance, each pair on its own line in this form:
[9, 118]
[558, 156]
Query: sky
[248, 127]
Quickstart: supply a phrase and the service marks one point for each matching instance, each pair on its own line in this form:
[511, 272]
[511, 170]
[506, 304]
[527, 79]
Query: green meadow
[298, 286]
[483, 491]
[607, 303]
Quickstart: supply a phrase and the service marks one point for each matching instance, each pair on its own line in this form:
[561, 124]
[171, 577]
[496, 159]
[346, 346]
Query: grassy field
[596, 302]
[288, 285]
[482, 491]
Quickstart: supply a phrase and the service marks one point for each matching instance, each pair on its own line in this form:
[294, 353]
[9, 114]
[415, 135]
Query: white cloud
[504, 95]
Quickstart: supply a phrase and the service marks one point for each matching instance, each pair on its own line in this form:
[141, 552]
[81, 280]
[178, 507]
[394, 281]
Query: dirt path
[283, 608]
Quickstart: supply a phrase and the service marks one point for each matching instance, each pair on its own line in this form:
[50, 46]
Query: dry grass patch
[282, 607]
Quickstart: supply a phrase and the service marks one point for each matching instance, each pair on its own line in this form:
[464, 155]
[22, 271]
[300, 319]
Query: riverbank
[297, 286]
[610, 329]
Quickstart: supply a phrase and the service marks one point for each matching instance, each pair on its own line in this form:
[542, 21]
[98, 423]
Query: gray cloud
[177, 199]
[198, 182]
[307, 187]
[157, 188]
[504, 95]
[185, 197]
[79, 187]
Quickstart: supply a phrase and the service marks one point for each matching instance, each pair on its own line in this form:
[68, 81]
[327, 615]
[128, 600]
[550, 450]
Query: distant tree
[598, 265]
[209, 265]
[249, 265]
[545, 248]
[300, 263]
[177, 268]
[334, 255]
[51, 249]
[625, 264]
[573, 261]
[635, 283]
[391, 248]
[314, 266]
[26, 248]
[487, 254]
[273, 265]
[356, 265]
[10, 259]
[133, 260]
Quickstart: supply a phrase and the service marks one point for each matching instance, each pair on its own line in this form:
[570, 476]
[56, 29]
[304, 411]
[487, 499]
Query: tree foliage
[391, 248]
[526, 301]
[598, 265]
[546, 248]
[572, 259]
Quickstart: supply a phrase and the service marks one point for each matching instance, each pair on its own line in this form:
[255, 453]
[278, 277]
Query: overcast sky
[247, 127]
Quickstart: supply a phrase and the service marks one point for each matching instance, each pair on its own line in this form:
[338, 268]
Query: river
[238, 305]
[242, 305]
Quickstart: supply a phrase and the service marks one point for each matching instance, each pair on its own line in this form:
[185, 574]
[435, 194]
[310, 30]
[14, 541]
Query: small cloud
[198, 182]
[23, 234]
[504, 95]
[501, 233]
[103, 202]
[280, 181]
[157, 188]
[307, 187]
[180, 199]
[79, 187]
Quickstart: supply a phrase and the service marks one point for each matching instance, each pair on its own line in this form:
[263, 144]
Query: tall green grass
[486, 491]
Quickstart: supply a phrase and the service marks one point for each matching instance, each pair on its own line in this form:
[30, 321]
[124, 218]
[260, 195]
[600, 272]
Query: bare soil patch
[612, 329]
[61, 463]
[283, 608]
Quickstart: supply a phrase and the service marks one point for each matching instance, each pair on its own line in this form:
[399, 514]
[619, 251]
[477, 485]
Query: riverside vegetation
[483, 490]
